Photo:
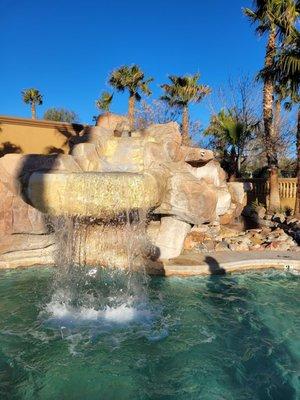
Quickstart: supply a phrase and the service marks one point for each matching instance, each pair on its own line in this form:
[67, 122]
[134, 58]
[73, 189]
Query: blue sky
[66, 49]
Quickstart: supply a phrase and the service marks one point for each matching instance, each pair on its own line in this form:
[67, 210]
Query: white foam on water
[122, 310]
[121, 314]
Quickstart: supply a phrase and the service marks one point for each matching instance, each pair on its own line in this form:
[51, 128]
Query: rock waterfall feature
[114, 179]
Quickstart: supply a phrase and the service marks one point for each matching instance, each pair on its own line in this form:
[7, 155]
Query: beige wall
[36, 136]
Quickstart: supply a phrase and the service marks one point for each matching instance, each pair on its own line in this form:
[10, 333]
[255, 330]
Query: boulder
[121, 154]
[212, 173]
[188, 198]
[10, 169]
[159, 133]
[111, 121]
[86, 156]
[171, 236]
[192, 239]
[223, 201]
[92, 134]
[238, 196]
[228, 217]
[196, 156]
[16, 216]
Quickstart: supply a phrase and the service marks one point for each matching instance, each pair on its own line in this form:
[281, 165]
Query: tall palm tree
[181, 92]
[232, 133]
[287, 74]
[104, 101]
[33, 97]
[131, 78]
[275, 17]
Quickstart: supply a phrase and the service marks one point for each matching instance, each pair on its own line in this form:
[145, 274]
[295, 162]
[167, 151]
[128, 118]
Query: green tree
[276, 18]
[181, 92]
[61, 115]
[231, 132]
[104, 102]
[131, 78]
[33, 97]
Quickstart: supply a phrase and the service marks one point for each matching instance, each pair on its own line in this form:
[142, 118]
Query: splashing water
[76, 296]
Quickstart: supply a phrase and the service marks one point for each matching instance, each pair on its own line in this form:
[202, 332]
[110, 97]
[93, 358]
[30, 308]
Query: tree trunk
[270, 137]
[131, 106]
[297, 205]
[33, 112]
[277, 118]
[185, 126]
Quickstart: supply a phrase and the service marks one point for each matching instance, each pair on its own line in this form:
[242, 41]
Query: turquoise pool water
[211, 338]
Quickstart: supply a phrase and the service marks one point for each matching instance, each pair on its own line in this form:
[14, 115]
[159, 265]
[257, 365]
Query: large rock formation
[114, 170]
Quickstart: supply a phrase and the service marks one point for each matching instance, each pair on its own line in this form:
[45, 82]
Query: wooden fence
[258, 190]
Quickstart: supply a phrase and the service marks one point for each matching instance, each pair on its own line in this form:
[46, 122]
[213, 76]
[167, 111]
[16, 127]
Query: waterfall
[90, 251]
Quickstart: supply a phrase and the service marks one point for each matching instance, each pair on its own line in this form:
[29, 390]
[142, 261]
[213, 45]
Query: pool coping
[219, 263]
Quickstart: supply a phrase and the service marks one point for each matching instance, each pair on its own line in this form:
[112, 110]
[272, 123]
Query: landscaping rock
[222, 246]
[261, 212]
[239, 246]
[190, 199]
[171, 236]
[111, 121]
[86, 156]
[192, 239]
[196, 156]
[212, 173]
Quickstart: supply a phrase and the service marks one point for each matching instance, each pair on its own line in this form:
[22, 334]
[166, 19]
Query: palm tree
[104, 101]
[276, 17]
[130, 78]
[33, 97]
[182, 91]
[232, 133]
[287, 75]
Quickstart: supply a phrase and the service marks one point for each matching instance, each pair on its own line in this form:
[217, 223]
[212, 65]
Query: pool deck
[219, 263]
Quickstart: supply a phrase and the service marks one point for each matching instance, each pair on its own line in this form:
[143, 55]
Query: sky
[67, 49]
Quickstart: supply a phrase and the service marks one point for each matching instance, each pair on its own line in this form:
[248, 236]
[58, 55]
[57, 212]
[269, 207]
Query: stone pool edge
[214, 263]
[219, 263]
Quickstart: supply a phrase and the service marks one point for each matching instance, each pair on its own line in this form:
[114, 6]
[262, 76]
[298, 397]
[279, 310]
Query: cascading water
[76, 296]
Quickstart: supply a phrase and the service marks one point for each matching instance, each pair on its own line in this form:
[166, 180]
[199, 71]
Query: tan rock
[152, 230]
[111, 121]
[222, 246]
[192, 239]
[212, 173]
[226, 232]
[196, 156]
[99, 195]
[190, 199]
[171, 237]
[158, 133]
[239, 246]
[223, 201]
[209, 245]
[18, 217]
[86, 156]
[20, 242]
[228, 217]
[238, 196]
[28, 258]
